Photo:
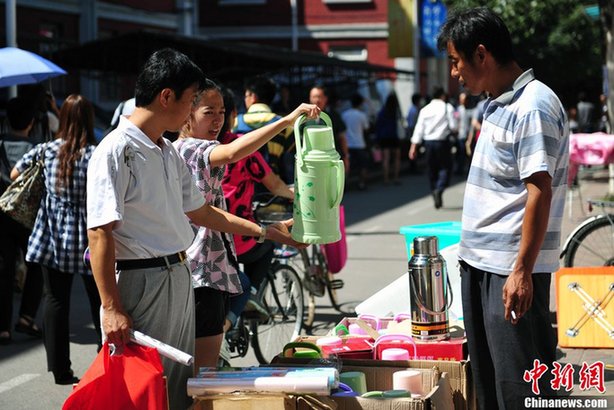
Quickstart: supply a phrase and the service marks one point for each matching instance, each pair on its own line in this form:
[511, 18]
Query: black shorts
[389, 143]
[211, 308]
[359, 158]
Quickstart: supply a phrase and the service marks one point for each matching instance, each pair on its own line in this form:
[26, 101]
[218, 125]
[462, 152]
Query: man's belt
[132, 264]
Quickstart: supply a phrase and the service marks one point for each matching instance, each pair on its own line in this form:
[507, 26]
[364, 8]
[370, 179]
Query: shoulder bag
[22, 198]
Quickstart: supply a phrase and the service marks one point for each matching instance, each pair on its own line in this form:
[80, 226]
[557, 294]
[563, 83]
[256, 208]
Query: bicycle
[281, 294]
[592, 242]
[317, 279]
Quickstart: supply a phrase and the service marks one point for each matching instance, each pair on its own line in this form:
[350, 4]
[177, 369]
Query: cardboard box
[245, 402]
[253, 401]
[437, 385]
[459, 373]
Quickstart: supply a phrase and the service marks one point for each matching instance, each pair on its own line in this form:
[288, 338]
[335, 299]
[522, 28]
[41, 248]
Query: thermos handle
[394, 337]
[297, 135]
[297, 139]
[419, 299]
[449, 292]
[340, 181]
[326, 119]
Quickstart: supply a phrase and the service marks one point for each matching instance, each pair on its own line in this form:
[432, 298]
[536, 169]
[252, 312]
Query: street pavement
[377, 256]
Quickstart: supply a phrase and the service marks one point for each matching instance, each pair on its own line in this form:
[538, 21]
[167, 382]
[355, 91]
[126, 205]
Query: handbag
[22, 198]
[131, 380]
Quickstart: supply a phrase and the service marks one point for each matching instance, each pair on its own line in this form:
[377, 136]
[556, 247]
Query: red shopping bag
[132, 380]
[337, 253]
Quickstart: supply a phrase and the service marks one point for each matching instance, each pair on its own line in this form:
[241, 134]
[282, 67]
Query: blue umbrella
[23, 67]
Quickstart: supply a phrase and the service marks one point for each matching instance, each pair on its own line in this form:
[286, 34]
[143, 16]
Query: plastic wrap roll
[164, 349]
[301, 385]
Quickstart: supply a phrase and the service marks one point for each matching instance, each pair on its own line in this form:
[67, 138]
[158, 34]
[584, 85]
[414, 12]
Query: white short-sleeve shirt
[145, 190]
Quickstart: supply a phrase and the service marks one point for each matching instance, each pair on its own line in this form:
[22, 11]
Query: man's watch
[262, 236]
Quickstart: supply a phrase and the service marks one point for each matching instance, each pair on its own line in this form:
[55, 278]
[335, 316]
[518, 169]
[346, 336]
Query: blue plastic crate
[448, 233]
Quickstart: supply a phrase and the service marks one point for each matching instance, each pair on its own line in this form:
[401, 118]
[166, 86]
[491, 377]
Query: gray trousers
[500, 352]
[161, 304]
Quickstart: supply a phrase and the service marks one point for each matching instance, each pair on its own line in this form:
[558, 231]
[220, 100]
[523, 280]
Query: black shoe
[27, 326]
[5, 338]
[66, 378]
[437, 199]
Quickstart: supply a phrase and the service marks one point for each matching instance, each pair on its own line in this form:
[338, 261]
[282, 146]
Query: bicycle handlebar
[257, 203]
[280, 208]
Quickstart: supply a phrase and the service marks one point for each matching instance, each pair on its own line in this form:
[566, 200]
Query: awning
[222, 60]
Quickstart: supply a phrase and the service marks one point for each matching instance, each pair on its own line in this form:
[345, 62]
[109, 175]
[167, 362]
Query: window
[51, 35]
[349, 53]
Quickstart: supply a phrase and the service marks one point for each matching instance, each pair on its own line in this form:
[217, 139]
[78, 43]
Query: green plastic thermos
[319, 178]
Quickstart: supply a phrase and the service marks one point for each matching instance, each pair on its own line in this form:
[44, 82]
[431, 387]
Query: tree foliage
[556, 38]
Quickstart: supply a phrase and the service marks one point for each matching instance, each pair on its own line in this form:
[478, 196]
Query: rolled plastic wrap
[300, 385]
[164, 349]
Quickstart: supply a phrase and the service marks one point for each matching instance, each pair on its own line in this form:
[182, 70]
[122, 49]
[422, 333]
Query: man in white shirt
[434, 126]
[139, 192]
[356, 124]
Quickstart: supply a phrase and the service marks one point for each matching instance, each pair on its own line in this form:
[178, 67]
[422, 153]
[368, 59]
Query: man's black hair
[356, 100]
[438, 91]
[468, 28]
[322, 87]
[415, 98]
[20, 113]
[166, 68]
[263, 87]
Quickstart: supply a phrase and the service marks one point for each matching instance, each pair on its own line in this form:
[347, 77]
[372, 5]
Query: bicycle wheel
[593, 244]
[282, 294]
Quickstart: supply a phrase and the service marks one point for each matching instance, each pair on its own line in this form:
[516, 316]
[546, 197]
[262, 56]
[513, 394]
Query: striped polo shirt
[524, 131]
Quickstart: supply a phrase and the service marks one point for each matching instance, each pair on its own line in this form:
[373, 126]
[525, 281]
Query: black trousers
[14, 237]
[500, 352]
[439, 164]
[56, 323]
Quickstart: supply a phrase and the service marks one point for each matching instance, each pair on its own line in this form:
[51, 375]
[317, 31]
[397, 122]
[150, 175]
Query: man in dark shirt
[13, 145]
[318, 95]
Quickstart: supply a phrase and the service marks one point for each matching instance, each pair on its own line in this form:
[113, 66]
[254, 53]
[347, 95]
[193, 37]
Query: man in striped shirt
[512, 210]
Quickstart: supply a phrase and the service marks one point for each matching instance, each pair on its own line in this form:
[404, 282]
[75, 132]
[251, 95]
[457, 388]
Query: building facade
[355, 30]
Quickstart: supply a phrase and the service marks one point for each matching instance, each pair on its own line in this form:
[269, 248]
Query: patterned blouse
[59, 236]
[212, 255]
[239, 185]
